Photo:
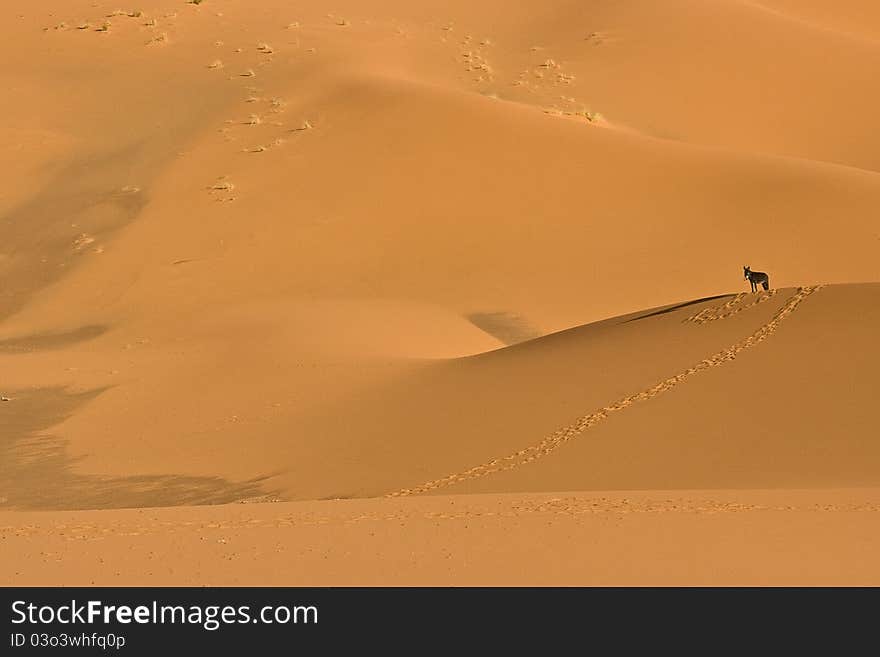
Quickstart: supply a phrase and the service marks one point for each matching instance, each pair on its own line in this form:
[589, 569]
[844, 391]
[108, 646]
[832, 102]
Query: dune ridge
[576, 428]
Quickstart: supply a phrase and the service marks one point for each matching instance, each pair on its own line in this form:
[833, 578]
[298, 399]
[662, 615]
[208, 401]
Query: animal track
[476, 63]
[222, 189]
[730, 308]
[573, 430]
[564, 506]
[83, 241]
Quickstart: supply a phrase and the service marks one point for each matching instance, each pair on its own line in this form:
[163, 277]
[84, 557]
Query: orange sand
[456, 260]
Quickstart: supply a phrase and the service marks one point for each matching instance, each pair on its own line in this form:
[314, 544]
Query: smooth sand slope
[429, 250]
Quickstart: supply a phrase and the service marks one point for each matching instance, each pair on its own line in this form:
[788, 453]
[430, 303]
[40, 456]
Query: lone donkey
[756, 278]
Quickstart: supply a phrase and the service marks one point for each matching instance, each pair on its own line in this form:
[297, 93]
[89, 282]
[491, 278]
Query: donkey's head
[747, 272]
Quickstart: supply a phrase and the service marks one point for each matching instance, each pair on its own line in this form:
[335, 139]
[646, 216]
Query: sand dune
[784, 538]
[439, 250]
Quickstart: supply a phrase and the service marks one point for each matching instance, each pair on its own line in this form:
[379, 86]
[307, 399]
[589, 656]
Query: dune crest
[573, 430]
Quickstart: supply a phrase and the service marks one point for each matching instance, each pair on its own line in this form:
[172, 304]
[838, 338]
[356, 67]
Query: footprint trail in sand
[732, 307]
[573, 430]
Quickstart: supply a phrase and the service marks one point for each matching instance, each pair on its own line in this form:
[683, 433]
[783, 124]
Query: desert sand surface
[383, 292]
[780, 538]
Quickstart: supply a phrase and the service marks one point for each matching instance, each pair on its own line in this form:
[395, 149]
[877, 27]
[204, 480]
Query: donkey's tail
[766, 283]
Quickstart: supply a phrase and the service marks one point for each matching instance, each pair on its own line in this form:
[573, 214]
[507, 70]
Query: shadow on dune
[678, 306]
[37, 473]
[507, 327]
[52, 340]
[87, 200]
